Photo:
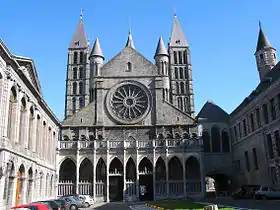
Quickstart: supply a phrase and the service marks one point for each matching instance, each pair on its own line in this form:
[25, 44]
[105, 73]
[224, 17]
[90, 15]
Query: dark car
[62, 204]
[245, 191]
[52, 204]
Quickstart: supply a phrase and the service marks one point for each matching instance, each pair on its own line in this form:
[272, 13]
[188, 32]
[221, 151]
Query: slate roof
[129, 42]
[211, 112]
[79, 39]
[161, 50]
[272, 76]
[262, 41]
[177, 38]
[96, 50]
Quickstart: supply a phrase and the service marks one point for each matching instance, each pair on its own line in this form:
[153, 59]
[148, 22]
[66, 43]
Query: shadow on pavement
[113, 205]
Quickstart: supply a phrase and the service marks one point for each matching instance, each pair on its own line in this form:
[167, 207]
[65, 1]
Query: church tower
[266, 57]
[78, 71]
[180, 70]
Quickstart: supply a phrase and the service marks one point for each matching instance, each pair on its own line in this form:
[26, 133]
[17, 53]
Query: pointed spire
[129, 42]
[161, 50]
[79, 39]
[177, 38]
[96, 50]
[262, 39]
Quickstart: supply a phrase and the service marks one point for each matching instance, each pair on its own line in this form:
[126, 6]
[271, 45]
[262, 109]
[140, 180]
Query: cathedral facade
[129, 131]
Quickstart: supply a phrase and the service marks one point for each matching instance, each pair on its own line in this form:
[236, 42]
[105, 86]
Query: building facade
[28, 132]
[253, 127]
[129, 131]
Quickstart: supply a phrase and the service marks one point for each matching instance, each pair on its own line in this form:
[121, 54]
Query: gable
[27, 67]
[118, 65]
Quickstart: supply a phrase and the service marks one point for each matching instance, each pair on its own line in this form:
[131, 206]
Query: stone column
[3, 187]
[77, 168]
[203, 186]
[107, 175]
[184, 175]
[154, 171]
[137, 171]
[124, 174]
[94, 170]
[167, 172]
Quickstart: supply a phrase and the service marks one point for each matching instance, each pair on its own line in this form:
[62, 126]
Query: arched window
[44, 140]
[81, 102]
[186, 104]
[81, 57]
[182, 87]
[80, 88]
[81, 72]
[180, 57]
[75, 73]
[38, 130]
[30, 128]
[75, 60]
[12, 113]
[206, 141]
[73, 105]
[177, 88]
[186, 73]
[185, 57]
[181, 73]
[74, 88]
[225, 141]
[180, 103]
[176, 73]
[129, 66]
[1, 85]
[22, 121]
[215, 138]
[175, 57]
[177, 136]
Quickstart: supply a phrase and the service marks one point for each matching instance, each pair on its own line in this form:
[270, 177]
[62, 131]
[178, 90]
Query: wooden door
[18, 188]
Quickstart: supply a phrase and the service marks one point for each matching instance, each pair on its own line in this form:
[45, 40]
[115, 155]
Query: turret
[265, 54]
[162, 62]
[96, 58]
[129, 42]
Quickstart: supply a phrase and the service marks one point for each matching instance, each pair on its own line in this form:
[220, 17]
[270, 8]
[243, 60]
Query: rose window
[129, 103]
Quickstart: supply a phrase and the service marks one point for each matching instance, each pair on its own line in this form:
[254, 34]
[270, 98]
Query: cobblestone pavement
[247, 203]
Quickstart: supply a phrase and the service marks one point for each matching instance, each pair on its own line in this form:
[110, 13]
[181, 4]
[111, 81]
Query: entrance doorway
[116, 180]
[146, 189]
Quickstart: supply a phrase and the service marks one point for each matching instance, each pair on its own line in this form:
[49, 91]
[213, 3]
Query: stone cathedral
[129, 131]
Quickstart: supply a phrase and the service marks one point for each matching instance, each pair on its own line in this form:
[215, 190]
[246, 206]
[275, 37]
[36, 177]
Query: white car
[88, 199]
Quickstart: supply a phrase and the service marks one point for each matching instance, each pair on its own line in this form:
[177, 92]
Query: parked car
[245, 191]
[266, 193]
[62, 204]
[32, 206]
[74, 203]
[88, 199]
[50, 203]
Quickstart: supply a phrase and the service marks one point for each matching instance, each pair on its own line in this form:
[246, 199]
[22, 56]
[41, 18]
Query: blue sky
[222, 37]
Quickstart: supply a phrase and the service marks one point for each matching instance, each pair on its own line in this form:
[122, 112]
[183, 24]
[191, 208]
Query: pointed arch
[67, 170]
[101, 170]
[130, 169]
[30, 180]
[160, 169]
[192, 168]
[116, 166]
[86, 170]
[145, 165]
[175, 169]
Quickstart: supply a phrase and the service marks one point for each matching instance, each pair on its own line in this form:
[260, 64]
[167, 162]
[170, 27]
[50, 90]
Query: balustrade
[140, 144]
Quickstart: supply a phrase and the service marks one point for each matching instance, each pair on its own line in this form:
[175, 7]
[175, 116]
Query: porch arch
[85, 177]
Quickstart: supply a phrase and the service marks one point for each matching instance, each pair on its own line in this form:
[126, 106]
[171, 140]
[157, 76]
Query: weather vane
[81, 13]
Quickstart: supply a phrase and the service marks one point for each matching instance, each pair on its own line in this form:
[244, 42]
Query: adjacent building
[252, 156]
[130, 131]
[28, 134]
